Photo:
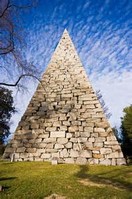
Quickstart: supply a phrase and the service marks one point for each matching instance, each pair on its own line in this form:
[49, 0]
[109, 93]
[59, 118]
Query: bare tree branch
[11, 43]
[16, 83]
[5, 9]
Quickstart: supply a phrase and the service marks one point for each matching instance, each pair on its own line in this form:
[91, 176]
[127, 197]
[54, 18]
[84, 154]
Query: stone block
[34, 126]
[85, 115]
[55, 155]
[17, 155]
[62, 140]
[77, 134]
[23, 155]
[49, 140]
[67, 95]
[66, 123]
[21, 150]
[49, 146]
[29, 159]
[54, 162]
[113, 155]
[88, 129]
[45, 135]
[74, 140]
[73, 116]
[51, 150]
[56, 124]
[111, 138]
[121, 161]
[96, 161]
[57, 134]
[95, 135]
[98, 144]
[62, 117]
[113, 162]
[99, 130]
[105, 151]
[69, 160]
[41, 151]
[75, 123]
[85, 154]
[63, 128]
[68, 135]
[51, 128]
[120, 154]
[10, 150]
[105, 134]
[38, 140]
[81, 161]
[31, 141]
[68, 145]
[100, 139]
[73, 129]
[45, 155]
[80, 128]
[93, 161]
[91, 139]
[85, 134]
[31, 150]
[88, 144]
[97, 156]
[111, 143]
[95, 151]
[37, 159]
[116, 147]
[105, 162]
[47, 124]
[76, 147]
[82, 139]
[59, 146]
[102, 124]
[42, 145]
[64, 153]
[109, 130]
[74, 154]
[85, 98]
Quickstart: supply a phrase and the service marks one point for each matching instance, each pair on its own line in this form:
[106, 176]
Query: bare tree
[13, 63]
[102, 102]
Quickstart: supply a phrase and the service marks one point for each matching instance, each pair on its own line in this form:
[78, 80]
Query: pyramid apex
[65, 33]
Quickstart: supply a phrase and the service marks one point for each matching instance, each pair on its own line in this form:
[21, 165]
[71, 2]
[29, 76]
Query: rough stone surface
[64, 121]
[55, 196]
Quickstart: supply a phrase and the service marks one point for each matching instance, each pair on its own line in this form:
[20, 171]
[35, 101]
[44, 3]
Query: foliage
[126, 127]
[40, 179]
[6, 110]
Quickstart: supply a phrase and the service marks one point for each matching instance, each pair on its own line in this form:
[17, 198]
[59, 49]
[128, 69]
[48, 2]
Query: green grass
[36, 180]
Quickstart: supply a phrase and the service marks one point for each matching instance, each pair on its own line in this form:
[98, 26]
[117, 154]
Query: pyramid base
[18, 157]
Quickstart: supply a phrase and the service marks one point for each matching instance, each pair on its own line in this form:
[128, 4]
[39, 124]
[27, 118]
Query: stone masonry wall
[64, 119]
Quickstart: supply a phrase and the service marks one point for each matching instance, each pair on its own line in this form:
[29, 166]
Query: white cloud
[117, 93]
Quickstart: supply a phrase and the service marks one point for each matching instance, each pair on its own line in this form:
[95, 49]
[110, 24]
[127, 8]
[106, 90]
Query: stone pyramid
[64, 121]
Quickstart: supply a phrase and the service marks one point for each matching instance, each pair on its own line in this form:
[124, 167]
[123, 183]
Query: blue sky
[101, 31]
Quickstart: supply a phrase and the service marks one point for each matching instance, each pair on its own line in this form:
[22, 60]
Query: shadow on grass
[4, 188]
[9, 178]
[102, 178]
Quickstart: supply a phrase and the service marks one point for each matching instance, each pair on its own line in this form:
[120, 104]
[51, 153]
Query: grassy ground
[36, 180]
